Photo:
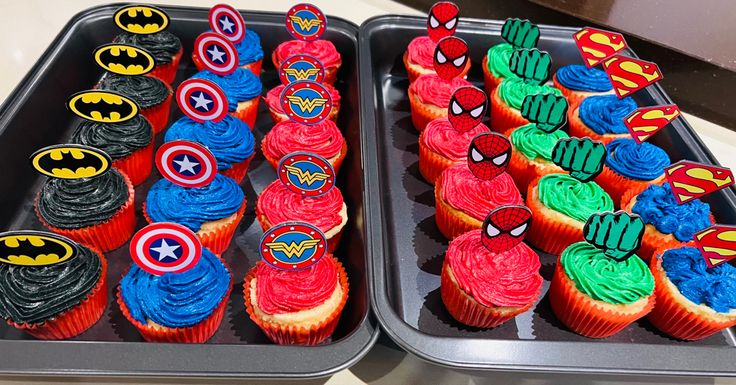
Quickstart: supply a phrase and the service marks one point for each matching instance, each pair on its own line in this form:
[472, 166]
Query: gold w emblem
[305, 24]
[293, 249]
[301, 74]
[306, 105]
[306, 176]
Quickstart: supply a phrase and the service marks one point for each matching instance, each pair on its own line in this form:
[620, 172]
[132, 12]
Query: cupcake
[177, 307]
[419, 58]
[323, 50]
[250, 53]
[693, 301]
[496, 66]
[165, 47]
[442, 146]
[242, 89]
[129, 144]
[213, 211]
[229, 140]
[631, 165]
[577, 82]
[506, 102]
[297, 307]
[601, 118]
[429, 97]
[669, 224]
[531, 156]
[597, 296]
[273, 101]
[152, 95]
[323, 139]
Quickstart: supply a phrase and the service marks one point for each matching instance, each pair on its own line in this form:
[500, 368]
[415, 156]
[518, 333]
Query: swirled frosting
[229, 140]
[279, 204]
[636, 161]
[474, 196]
[512, 91]
[498, 60]
[77, 203]
[581, 78]
[509, 279]
[421, 51]
[445, 140]
[323, 139]
[117, 139]
[605, 114]
[323, 50]
[534, 143]
[657, 206]
[146, 91]
[240, 86]
[176, 299]
[162, 45]
[34, 294]
[432, 89]
[569, 196]
[606, 279]
[249, 49]
[273, 97]
[191, 207]
[714, 287]
[280, 291]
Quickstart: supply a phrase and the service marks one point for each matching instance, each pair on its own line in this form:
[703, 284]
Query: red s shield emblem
[467, 107]
[691, 180]
[629, 75]
[597, 45]
[647, 121]
[450, 57]
[488, 155]
[717, 244]
[505, 227]
[442, 20]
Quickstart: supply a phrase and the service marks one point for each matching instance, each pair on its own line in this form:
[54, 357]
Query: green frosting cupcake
[569, 196]
[606, 279]
[535, 143]
[498, 60]
[513, 91]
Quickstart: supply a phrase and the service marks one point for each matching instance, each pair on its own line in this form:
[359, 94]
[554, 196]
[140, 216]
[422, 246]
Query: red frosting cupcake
[273, 100]
[323, 50]
[323, 139]
[442, 146]
[429, 97]
[419, 58]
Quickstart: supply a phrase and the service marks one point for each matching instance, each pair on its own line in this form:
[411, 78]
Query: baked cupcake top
[604, 114]
[249, 49]
[498, 60]
[273, 97]
[636, 161]
[117, 139]
[34, 294]
[714, 287]
[474, 196]
[512, 91]
[443, 139]
[229, 140]
[162, 45]
[323, 139]
[510, 278]
[534, 143]
[83, 202]
[191, 207]
[240, 86]
[567, 195]
[578, 77]
[176, 299]
[421, 51]
[432, 89]
[279, 204]
[606, 279]
[279, 291]
[657, 206]
[146, 91]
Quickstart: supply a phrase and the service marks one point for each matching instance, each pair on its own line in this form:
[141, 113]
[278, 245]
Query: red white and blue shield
[228, 22]
[293, 246]
[202, 100]
[164, 247]
[185, 163]
[301, 67]
[217, 53]
[306, 22]
[306, 102]
[307, 174]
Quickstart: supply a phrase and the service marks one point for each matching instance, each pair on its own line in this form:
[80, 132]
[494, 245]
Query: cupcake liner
[104, 236]
[237, 171]
[136, 165]
[278, 117]
[504, 117]
[298, 335]
[547, 233]
[158, 115]
[332, 242]
[578, 129]
[450, 221]
[421, 114]
[617, 185]
[167, 72]
[432, 164]
[330, 72]
[414, 70]
[336, 163]
[247, 112]
[490, 81]
[463, 308]
[77, 319]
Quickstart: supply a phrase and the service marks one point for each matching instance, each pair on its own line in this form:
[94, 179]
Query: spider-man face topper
[467, 107]
[488, 155]
[450, 57]
[442, 20]
[505, 227]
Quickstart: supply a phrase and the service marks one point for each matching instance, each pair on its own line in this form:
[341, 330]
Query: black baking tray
[34, 116]
[407, 249]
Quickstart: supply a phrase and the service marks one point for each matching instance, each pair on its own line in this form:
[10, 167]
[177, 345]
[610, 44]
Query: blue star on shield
[216, 54]
[166, 250]
[201, 102]
[226, 24]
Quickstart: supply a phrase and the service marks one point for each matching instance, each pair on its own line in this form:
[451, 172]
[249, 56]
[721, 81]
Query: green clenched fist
[618, 234]
[583, 158]
[532, 65]
[548, 111]
[520, 33]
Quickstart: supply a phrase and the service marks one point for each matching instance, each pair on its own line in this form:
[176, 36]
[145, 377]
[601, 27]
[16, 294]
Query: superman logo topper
[70, 161]
[647, 121]
[488, 155]
[717, 244]
[306, 22]
[202, 100]
[185, 163]
[102, 106]
[301, 67]
[124, 59]
[218, 54]
[467, 107]
[691, 180]
[293, 246]
[450, 57]
[629, 75]
[306, 102]
[505, 227]
[164, 247]
[141, 19]
[597, 45]
[307, 174]
[35, 248]
[442, 20]
[227, 21]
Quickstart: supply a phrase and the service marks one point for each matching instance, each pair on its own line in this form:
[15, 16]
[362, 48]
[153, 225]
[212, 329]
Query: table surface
[24, 41]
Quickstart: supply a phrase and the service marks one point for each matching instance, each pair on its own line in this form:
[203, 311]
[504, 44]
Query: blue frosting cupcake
[576, 77]
[601, 117]
[657, 206]
[240, 86]
[631, 165]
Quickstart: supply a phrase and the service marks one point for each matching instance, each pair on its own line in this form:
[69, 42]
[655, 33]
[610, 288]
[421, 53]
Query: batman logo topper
[306, 22]
[307, 174]
[70, 161]
[141, 19]
[35, 248]
[102, 106]
[228, 22]
[124, 59]
[218, 54]
[293, 246]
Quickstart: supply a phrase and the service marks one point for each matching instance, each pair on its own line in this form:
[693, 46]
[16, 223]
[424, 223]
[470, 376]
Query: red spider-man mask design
[505, 227]
[450, 57]
[488, 155]
[467, 107]
[442, 20]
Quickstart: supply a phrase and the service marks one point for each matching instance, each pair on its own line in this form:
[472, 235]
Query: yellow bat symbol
[305, 24]
[305, 176]
[293, 249]
[307, 105]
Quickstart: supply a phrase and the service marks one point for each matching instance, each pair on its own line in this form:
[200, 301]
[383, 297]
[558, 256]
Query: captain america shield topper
[185, 163]
[201, 100]
[301, 67]
[218, 54]
[228, 22]
[165, 247]
[306, 22]
[306, 174]
[306, 102]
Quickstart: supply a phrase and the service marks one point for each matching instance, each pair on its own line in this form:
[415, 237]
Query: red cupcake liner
[412, 70]
[332, 242]
[297, 335]
[77, 319]
[105, 236]
[490, 81]
[421, 115]
[549, 234]
[247, 111]
[136, 165]
[278, 117]
[330, 72]
[578, 129]
[158, 115]
[167, 72]
[617, 185]
[504, 117]
[274, 162]
[452, 222]
[432, 164]
[237, 171]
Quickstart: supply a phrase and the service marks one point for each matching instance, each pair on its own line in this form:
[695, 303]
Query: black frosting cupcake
[146, 91]
[117, 139]
[162, 45]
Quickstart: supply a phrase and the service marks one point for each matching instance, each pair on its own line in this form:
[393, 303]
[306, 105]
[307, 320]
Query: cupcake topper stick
[467, 107]
[690, 180]
[450, 57]
[165, 247]
[505, 227]
[306, 22]
[547, 111]
[186, 164]
[141, 19]
[583, 158]
[307, 174]
[301, 67]
[306, 102]
[647, 121]
[717, 244]
[202, 100]
[629, 75]
[124, 59]
[227, 21]
[597, 45]
[102, 106]
[520, 33]
[532, 65]
[35, 248]
[293, 246]
[218, 53]
[617, 234]
[442, 20]
[70, 161]
[488, 155]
